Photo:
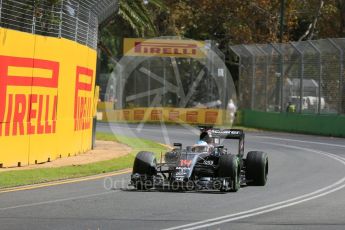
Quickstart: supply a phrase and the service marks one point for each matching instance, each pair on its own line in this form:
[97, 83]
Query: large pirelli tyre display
[229, 167]
[256, 168]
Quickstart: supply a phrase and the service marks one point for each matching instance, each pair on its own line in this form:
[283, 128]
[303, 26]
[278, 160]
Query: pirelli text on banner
[83, 103]
[164, 48]
[29, 96]
[21, 111]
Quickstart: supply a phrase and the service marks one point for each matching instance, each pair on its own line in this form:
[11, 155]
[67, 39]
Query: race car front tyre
[145, 166]
[229, 168]
[256, 168]
[145, 163]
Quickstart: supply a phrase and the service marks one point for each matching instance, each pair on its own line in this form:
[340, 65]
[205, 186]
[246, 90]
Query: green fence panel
[330, 125]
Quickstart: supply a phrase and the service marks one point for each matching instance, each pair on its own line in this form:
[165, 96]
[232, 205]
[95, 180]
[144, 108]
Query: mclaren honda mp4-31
[205, 165]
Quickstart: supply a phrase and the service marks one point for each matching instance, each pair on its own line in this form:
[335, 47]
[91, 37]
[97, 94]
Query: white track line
[275, 206]
[267, 210]
[55, 201]
[308, 142]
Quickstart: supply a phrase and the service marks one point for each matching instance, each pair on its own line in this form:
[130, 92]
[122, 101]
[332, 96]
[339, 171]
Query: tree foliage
[232, 21]
[138, 15]
[227, 22]
[246, 21]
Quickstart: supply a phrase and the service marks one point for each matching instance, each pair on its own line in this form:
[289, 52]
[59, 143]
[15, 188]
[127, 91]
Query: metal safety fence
[175, 81]
[75, 20]
[308, 76]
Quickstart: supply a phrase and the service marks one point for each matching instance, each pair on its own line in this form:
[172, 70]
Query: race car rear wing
[225, 133]
[229, 133]
[234, 134]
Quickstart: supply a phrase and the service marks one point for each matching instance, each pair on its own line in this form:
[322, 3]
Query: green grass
[35, 176]
[226, 126]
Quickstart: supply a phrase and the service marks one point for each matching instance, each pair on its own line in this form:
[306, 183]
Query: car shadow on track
[175, 191]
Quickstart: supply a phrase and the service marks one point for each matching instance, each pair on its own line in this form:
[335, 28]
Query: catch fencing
[308, 75]
[75, 20]
[172, 80]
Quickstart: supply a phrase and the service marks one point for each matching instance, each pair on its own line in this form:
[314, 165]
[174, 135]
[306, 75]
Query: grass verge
[244, 128]
[35, 176]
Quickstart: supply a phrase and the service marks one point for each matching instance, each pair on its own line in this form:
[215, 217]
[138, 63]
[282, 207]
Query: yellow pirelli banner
[46, 98]
[191, 116]
[164, 48]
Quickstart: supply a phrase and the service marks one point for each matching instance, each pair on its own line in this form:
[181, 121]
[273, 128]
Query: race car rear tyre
[229, 167]
[144, 165]
[256, 168]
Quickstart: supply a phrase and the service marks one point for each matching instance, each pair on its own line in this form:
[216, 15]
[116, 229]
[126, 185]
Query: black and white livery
[205, 165]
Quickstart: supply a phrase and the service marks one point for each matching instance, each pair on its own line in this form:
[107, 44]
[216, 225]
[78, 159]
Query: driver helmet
[206, 136]
[200, 146]
[200, 142]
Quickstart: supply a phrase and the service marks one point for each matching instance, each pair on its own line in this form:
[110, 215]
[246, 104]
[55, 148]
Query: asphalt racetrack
[305, 190]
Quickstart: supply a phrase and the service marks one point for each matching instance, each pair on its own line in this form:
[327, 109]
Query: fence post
[320, 74]
[88, 29]
[253, 78]
[33, 26]
[341, 69]
[280, 83]
[95, 31]
[266, 75]
[0, 10]
[76, 23]
[239, 100]
[60, 22]
[301, 73]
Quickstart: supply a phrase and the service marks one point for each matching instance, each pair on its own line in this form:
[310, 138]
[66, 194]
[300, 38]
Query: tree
[134, 19]
[341, 8]
[137, 14]
[230, 22]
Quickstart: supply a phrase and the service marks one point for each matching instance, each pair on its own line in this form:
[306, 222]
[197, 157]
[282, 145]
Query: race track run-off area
[305, 190]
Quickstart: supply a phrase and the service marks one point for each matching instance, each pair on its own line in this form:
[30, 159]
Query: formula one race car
[206, 165]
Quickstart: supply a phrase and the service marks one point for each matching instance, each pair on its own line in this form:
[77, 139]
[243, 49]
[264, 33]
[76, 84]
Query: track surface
[305, 191]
